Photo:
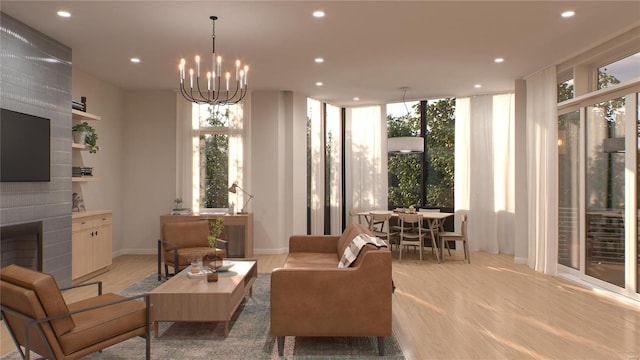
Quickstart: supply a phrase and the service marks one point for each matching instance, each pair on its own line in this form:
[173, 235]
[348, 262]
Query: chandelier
[212, 90]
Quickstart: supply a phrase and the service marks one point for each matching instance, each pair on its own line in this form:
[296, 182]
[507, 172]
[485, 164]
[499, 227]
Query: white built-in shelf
[84, 179]
[83, 116]
[80, 146]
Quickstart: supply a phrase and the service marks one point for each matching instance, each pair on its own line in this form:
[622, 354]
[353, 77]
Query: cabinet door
[82, 251]
[102, 241]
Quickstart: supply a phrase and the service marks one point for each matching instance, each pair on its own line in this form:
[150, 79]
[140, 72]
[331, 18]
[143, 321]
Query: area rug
[249, 337]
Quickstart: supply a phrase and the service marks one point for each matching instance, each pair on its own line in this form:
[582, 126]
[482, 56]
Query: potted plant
[83, 133]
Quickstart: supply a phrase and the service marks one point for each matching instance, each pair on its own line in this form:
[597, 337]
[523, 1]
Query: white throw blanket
[351, 252]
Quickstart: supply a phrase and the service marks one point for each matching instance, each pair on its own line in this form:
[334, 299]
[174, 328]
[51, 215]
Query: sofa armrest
[353, 301]
[313, 243]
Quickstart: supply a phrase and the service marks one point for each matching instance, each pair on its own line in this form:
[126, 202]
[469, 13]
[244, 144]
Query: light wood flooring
[490, 309]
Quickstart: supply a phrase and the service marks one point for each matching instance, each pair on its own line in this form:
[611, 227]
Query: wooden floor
[491, 309]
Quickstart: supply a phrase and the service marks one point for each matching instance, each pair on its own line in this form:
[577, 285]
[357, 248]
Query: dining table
[434, 220]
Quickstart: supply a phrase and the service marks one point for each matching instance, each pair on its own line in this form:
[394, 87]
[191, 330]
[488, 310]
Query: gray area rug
[249, 337]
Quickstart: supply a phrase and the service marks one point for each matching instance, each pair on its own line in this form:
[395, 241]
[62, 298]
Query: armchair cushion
[186, 254]
[103, 323]
[48, 292]
[187, 234]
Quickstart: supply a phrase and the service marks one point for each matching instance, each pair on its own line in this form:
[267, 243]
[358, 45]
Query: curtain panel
[366, 158]
[484, 170]
[542, 166]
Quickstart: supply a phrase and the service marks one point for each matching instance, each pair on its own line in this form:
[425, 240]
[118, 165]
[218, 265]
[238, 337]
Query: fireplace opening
[21, 244]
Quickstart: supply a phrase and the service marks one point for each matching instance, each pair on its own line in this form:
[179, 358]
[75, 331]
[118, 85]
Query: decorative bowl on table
[221, 266]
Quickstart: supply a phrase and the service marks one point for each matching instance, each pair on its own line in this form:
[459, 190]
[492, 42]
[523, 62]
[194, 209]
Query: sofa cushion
[186, 234]
[311, 260]
[101, 324]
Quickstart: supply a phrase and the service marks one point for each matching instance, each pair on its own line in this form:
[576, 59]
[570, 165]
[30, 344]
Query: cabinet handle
[84, 222]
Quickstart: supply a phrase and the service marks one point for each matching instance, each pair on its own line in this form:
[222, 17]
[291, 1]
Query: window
[423, 179]
[619, 71]
[217, 156]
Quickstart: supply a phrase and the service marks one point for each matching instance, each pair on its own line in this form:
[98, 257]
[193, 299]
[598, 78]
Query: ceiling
[372, 49]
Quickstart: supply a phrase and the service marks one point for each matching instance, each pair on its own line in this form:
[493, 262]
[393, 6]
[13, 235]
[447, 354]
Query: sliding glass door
[605, 191]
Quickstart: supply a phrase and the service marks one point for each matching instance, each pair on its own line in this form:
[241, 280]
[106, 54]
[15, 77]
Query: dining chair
[458, 236]
[428, 232]
[411, 232]
[383, 232]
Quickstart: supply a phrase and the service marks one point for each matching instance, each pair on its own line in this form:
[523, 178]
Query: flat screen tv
[25, 147]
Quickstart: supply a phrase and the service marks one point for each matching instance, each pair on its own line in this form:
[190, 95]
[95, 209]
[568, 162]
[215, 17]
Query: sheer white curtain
[366, 158]
[542, 170]
[484, 178]
[334, 157]
[314, 112]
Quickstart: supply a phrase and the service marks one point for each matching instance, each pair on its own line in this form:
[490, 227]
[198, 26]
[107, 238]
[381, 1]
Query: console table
[238, 230]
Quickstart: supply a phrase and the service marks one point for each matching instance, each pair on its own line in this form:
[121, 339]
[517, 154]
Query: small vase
[212, 276]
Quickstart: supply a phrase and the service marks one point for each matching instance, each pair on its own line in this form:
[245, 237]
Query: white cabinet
[91, 243]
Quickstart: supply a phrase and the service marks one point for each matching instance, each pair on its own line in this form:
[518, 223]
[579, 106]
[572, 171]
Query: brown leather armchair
[40, 321]
[182, 241]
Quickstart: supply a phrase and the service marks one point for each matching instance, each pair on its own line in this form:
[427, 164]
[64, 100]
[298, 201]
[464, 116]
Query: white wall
[149, 167]
[278, 168]
[107, 101]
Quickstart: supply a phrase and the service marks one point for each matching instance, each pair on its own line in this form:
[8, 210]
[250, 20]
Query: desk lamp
[232, 189]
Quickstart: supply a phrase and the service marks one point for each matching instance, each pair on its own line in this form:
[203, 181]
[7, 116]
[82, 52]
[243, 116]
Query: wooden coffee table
[182, 298]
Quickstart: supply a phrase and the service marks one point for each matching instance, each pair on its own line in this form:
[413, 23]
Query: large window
[216, 156]
[423, 179]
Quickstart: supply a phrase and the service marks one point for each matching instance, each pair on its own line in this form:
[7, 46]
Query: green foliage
[440, 151]
[91, 138]
[565, 91]
[215, 229]
[216, 162]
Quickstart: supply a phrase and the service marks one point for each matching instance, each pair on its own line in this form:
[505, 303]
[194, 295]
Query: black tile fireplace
[21, 244]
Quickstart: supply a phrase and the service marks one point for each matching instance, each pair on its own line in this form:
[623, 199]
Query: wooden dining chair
[445, 237]
[411, 232]
[384, 230]
[428, 233]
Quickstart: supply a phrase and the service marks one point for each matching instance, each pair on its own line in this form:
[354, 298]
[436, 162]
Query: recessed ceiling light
[135, 60]
[318, 60]
[477, 86]
[64, 14]
[498, 60]
[318, 14]
[319, 83]
[356, 99]
[568, 14]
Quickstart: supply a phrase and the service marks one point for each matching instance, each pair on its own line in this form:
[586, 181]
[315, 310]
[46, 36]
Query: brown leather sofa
[181, 241]
[39, 319]
[312, 296]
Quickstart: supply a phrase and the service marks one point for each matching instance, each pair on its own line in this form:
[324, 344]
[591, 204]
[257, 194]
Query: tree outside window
[214, 158]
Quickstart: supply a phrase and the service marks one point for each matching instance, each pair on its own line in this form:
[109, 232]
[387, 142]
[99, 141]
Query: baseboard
[520, 260]
[135, 252]
[276, 251]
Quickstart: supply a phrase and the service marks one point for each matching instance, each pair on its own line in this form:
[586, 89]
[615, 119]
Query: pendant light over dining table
[405, 144]
[213, 90]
